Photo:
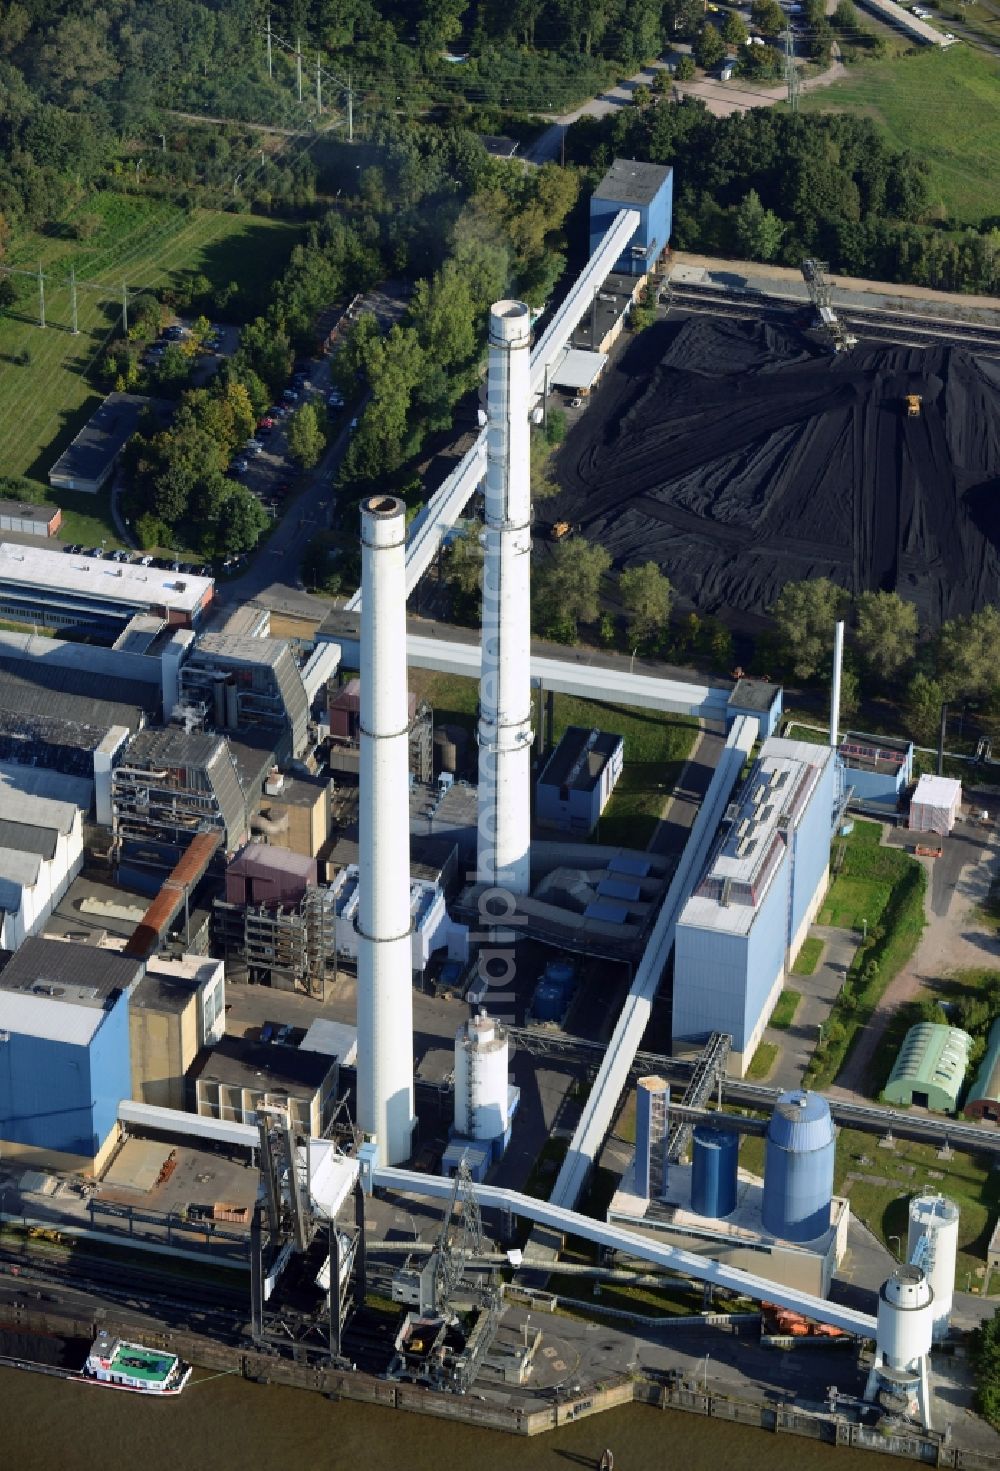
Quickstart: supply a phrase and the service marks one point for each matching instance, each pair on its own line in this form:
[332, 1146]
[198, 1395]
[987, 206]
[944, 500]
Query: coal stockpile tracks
[733, 449]
[870, 324]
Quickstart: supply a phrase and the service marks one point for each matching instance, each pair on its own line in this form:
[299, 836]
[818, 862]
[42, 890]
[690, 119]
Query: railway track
[871, 324]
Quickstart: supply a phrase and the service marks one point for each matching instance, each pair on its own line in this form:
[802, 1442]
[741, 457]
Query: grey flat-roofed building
[28, 519]
[94, 595]
[61, 969]
[88, 461]
[237, 1077]
[30, 686]
[578, 779]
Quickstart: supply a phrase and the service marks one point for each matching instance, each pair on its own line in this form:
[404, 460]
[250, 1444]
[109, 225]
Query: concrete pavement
[797, 1043]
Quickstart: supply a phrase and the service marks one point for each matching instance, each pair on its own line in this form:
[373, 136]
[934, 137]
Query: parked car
[290, 395]
[146, 561]
[74, 550]
[95, 552]
[266, 423]
[254, 447]
[240, 466]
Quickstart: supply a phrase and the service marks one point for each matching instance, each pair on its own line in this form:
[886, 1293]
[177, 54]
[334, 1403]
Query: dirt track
[740, 456]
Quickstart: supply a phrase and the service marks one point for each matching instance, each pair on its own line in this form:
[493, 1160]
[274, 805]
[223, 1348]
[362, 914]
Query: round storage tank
[481, 1065]
[715, 1162]
[798, 1167]
[937, 1218]
[905, 1318]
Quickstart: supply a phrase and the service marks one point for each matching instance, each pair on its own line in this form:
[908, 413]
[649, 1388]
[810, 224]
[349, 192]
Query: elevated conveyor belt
[644, 1248]
[450, 499]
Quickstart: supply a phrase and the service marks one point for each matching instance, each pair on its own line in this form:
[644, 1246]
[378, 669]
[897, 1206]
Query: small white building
[935, 805]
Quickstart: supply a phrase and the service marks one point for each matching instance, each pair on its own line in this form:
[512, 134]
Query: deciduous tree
[886, 632]
[804, 615]
[646, 597]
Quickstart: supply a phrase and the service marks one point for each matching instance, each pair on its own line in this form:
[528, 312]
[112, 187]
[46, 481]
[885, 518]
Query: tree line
[889, 655]
[772, 185]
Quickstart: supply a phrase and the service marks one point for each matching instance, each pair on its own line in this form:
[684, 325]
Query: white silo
[482, 1109]
[936, 1218]
[901, 1371]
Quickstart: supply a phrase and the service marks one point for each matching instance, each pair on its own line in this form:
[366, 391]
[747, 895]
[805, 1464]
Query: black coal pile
[741, 456]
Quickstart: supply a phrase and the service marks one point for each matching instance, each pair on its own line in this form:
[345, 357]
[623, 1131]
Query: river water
[223, 1422]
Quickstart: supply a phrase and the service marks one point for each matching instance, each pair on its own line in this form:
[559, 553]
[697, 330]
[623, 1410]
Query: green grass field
[762, 1062]
[808, 957]
[945, 107]
[784, 1012]
[144, 242]
[655, 749]
[887, 1179]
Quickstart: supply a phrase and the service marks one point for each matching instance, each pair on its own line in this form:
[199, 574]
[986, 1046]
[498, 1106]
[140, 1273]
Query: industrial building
[172, 783]
[64, 1053]
[29, 520]
[935, 805]
[344, 718]
[247, 684]
[877, 769]
[41, 853]
[86, 464]
[177, 1008]
[983, 1101]
[94, 596]
[275, 925]
[789, 1228]
[296, 812]
[930, 1068]
[759, 893]
[647, 188]
[431, 928]
[236, 1078]
[577, 780]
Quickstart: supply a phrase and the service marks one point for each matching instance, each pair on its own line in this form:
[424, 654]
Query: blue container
[798, 1167]
[562, 973]
[715, 1159]
[549, 1001]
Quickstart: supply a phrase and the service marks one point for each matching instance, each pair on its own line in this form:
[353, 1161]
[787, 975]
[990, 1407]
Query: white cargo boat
[118, 1364]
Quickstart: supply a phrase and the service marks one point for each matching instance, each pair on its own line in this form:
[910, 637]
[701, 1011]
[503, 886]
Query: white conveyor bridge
[450, 499]
[644, 1248]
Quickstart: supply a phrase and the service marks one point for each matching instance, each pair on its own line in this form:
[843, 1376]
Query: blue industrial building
[759, 894]
[64, 1051]
[876, 768]
[646, 187]
[578, 779]
[759, 699]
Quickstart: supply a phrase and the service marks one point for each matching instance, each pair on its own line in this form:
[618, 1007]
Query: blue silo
[715, 1161]
[798, 1167]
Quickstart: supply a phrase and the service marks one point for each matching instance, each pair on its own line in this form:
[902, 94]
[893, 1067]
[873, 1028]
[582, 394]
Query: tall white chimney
[385, 998]
[505, 692]
[838, 667]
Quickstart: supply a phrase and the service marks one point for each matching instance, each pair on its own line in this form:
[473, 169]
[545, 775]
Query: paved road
[681, 808]
[273, 576]
[819, 991]
[954, 939]
[721, 99]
